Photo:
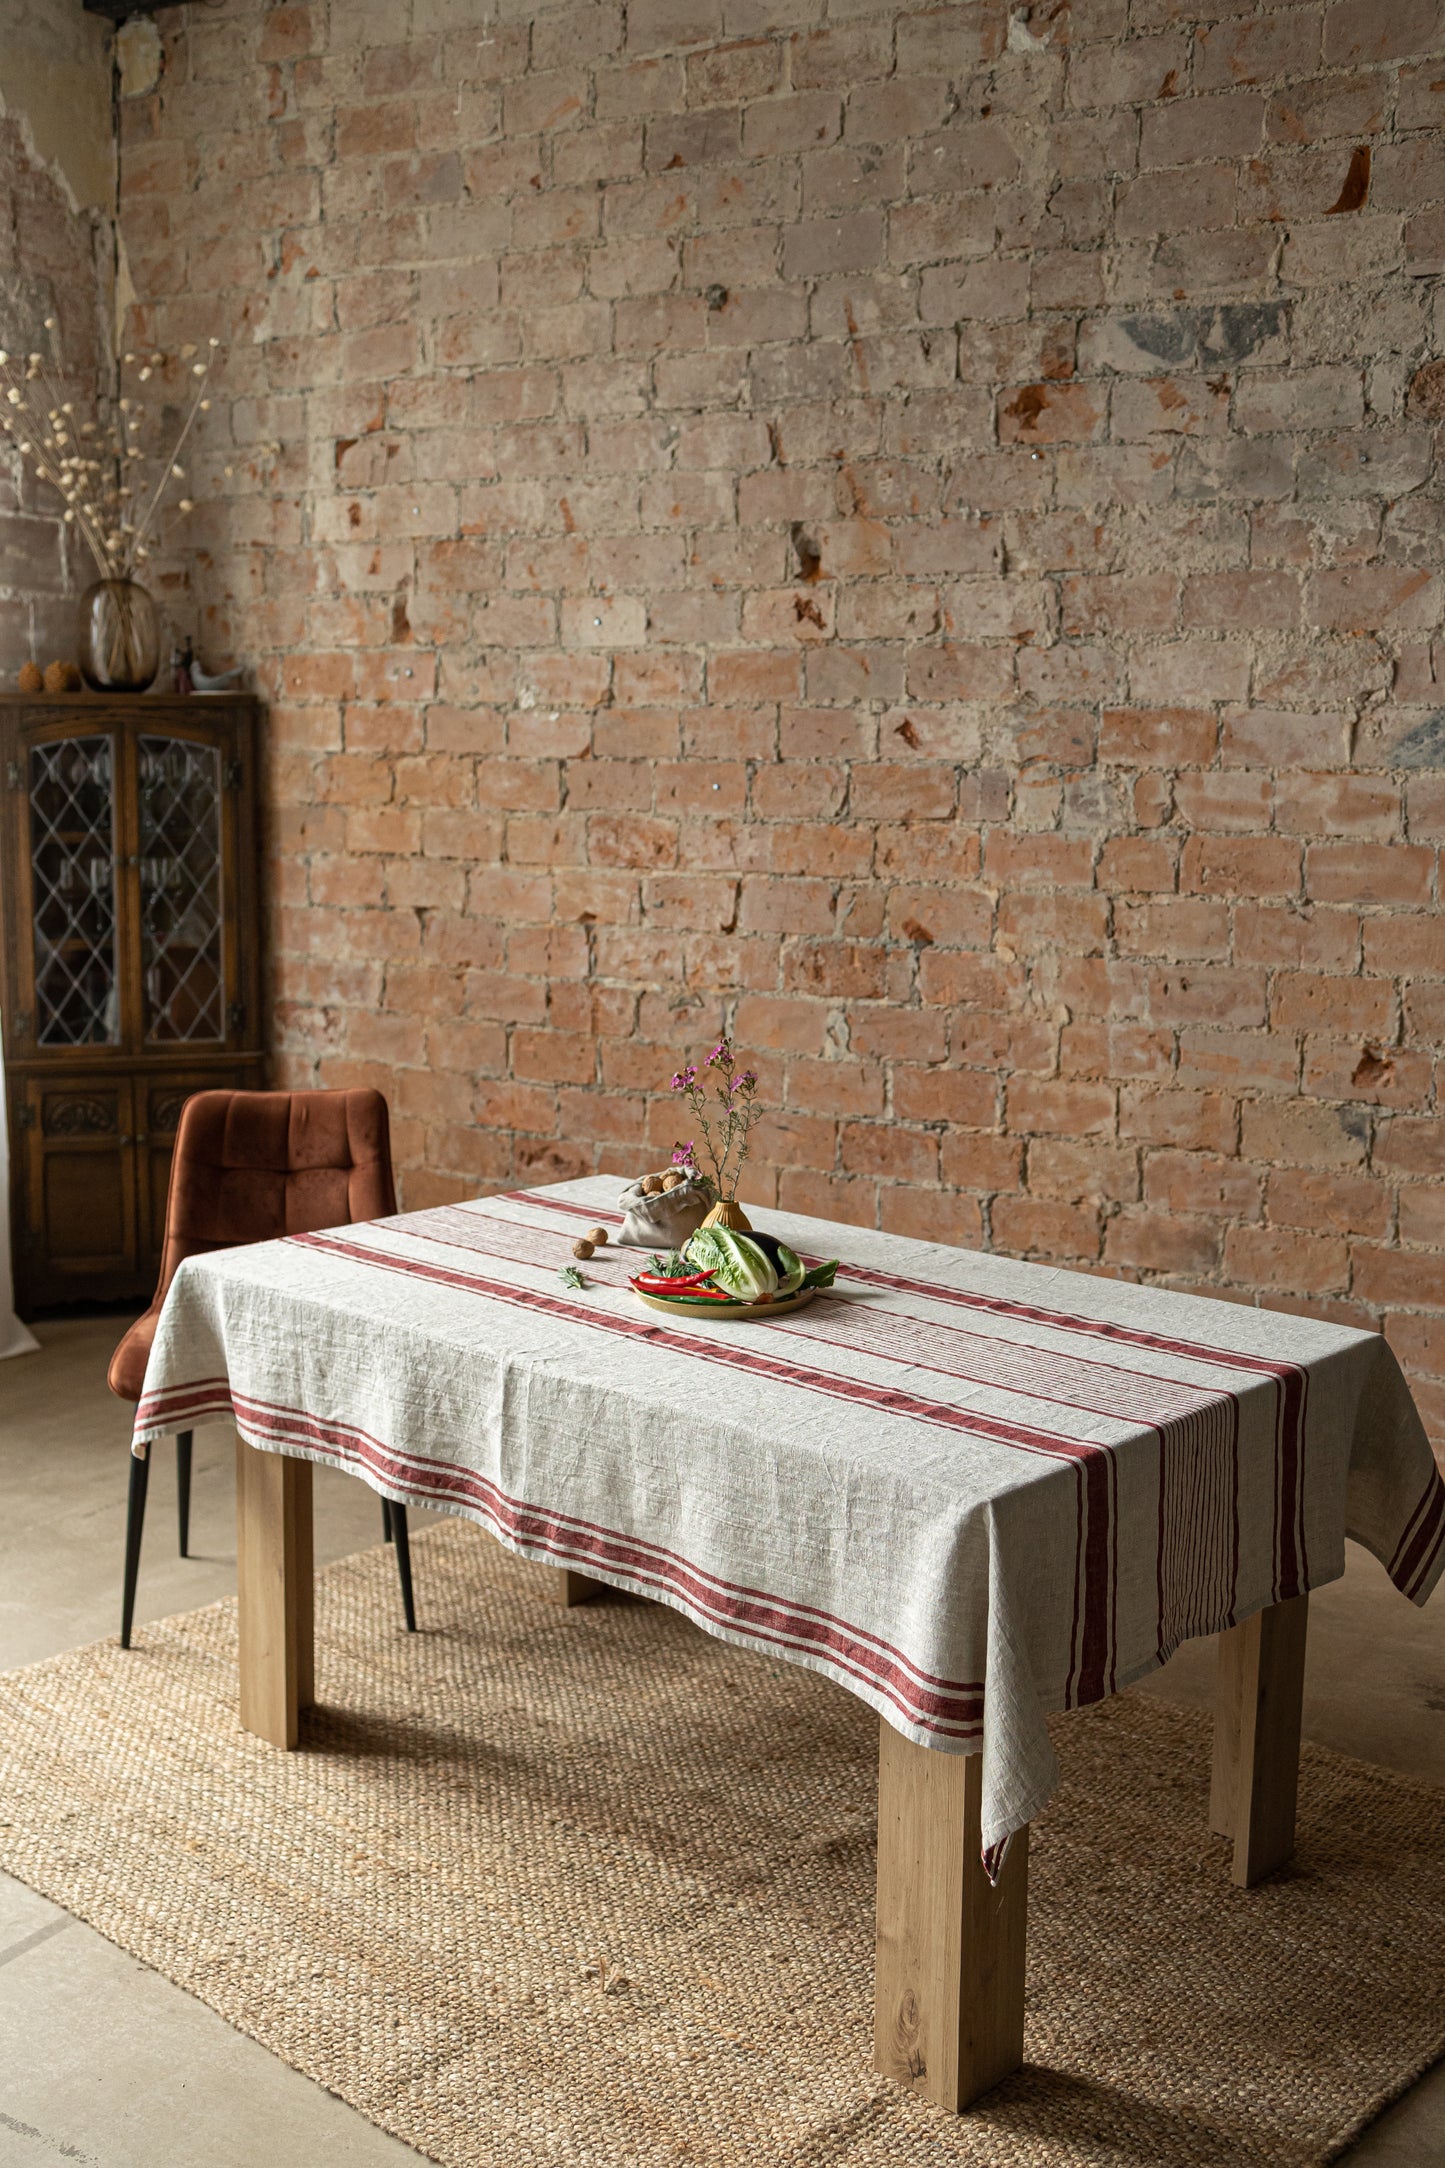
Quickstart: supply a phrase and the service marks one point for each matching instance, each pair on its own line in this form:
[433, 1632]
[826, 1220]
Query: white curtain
[14, 1339]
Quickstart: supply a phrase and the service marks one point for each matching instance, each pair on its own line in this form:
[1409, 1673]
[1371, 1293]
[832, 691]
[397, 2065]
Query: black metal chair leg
[402, 1540]
[386, 1519]
[183, 1489]
[134, 1525]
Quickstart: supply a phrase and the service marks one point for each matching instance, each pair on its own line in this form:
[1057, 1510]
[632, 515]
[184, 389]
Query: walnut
[582, 1248]
[29, 680]
[597, 1236]
[674, 1180]
[651, 1185]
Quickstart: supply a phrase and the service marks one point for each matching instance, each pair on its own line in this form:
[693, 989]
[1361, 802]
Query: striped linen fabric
[971, 1491]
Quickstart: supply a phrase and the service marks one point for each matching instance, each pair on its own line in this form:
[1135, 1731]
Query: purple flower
[721, 1056]
[682, 1154]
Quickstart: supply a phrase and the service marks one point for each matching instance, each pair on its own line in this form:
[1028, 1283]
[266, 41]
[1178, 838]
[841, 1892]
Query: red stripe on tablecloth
[846, 1327]
[1429, 1558]
[196, 1411]
[1159, 1547]
[559, 1204]
[1001, 1305]
[1097, 1510]
[950, 1708]
[1409, 1572]
[1198, 1588]
[1193, 1592]
[1063, 1320]
[1292, 1565]
[1028, 1437]
[1092, 1461]
[1186, 1596]
[927, 1343]
[916, 1342]
[1117, 1388]
[177, 1400]
[1292, 1381]
[1427, 1497]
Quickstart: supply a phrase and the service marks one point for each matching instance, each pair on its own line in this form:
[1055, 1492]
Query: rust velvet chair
[248, 1167]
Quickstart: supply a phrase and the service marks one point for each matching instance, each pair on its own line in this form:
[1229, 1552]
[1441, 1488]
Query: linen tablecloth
[972, 1491]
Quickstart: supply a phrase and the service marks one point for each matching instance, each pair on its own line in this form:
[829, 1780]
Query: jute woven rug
[589, 1887]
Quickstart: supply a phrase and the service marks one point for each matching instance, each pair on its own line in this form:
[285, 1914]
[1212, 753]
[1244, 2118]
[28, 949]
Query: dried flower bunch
[735, 1091]
[99, 465]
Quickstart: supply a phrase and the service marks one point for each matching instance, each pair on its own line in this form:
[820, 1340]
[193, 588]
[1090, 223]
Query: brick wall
[49, 268]
[912, 534]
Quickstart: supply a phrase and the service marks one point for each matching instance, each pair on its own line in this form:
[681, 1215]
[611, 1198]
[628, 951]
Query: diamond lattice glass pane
[180, 889]
[72, 873]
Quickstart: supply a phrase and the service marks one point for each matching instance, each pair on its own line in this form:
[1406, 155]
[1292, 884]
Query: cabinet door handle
[127, 1140]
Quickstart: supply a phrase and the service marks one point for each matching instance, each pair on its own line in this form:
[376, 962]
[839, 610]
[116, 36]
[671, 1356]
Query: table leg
[1256, 1737]
[560, 1585]
[948, 1997]
[275, 1590]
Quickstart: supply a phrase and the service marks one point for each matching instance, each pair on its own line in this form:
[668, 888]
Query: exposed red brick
[1199, 1182]
[1034, 1227]
[1165, 1243]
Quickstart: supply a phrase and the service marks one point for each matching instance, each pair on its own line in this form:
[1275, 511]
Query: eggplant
[784, 1262]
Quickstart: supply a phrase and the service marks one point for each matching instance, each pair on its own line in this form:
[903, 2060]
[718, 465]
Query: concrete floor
[106, 2065]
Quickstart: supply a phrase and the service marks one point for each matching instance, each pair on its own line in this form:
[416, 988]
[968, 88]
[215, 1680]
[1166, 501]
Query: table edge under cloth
[1416, 1565]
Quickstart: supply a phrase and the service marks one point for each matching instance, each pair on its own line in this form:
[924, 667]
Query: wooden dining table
[972, 1491]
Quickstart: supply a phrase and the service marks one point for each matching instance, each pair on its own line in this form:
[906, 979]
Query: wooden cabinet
[129, 967]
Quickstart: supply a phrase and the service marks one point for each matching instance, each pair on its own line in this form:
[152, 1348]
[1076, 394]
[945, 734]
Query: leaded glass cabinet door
[179, 785]
[72, 817]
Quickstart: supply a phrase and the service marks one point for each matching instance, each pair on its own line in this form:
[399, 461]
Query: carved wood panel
[80, 1114]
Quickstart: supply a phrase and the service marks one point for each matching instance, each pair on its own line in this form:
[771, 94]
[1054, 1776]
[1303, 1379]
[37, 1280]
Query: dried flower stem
[736, 1096]
[87, 462]
[150, 512]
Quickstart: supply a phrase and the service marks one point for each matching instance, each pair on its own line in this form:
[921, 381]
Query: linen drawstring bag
[664, 1219]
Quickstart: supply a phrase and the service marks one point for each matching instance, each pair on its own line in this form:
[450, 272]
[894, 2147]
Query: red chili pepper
[648, 1283]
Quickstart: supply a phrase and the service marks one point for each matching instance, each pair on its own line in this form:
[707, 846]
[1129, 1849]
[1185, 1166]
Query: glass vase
[120, 641]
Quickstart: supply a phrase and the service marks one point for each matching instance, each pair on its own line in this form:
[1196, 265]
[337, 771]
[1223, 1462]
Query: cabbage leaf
[736, 1264]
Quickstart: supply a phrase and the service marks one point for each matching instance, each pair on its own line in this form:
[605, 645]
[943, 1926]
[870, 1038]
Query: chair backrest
[250, 1166]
